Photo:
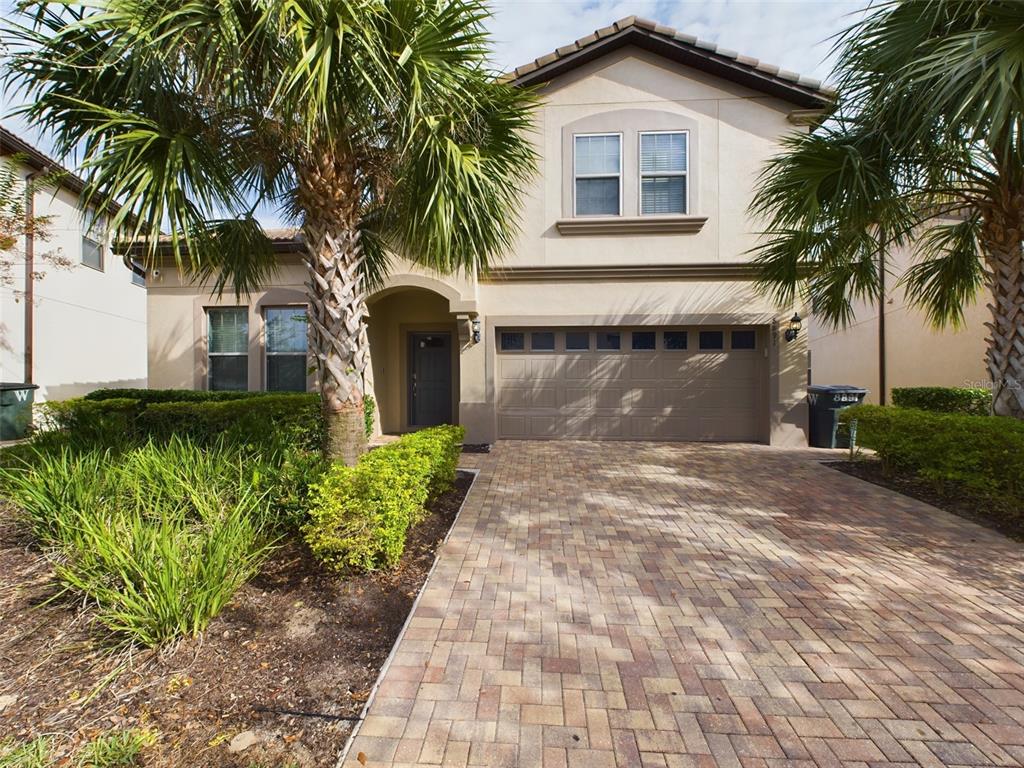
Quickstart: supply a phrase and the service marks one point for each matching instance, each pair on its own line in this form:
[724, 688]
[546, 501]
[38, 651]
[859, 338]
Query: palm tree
[924, 148]
[376, 124]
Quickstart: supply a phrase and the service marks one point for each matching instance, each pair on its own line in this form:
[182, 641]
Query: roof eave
[679, 51]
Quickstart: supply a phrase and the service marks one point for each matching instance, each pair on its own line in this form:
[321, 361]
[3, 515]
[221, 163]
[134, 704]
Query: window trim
[641, 174]
[209, 353]
[267, 354]
[576, 176]
[94, 229]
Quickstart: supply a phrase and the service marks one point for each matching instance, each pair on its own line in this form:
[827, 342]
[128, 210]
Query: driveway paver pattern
[642, 604]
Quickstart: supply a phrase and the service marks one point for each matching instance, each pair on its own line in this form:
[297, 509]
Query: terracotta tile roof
[806, 91]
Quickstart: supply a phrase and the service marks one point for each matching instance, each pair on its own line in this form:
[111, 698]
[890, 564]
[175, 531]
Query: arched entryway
[416, 343]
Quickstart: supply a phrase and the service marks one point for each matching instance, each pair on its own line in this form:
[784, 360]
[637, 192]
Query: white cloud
[794, 34]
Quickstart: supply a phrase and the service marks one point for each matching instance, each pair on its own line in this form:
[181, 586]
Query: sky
[793, 34]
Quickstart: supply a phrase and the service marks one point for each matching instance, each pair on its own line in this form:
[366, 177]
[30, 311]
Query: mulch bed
[288, 664]
[953, 500]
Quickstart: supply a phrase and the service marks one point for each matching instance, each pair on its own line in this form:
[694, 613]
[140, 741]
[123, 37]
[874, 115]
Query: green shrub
[974, 401]
[981, 454]
[157, 538]
[360, 516]
[150, 396]
[253, 421]
[112, 420]
[369, 409]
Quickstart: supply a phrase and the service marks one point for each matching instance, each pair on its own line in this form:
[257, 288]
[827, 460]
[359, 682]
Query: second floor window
[663, 173]
[93, 235]
[286, 349]
[228, 348]
[597, 164]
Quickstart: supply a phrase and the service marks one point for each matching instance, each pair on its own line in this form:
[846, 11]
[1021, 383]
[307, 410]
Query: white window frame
[267, 354]
[211, 354]
[576, 175]
[641, 174]
[94, 229]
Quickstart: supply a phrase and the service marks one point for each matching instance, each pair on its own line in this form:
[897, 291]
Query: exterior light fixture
[794, 328]
[476, 331]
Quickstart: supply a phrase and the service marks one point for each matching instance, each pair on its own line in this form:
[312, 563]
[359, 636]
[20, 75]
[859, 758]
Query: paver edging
[401, 634]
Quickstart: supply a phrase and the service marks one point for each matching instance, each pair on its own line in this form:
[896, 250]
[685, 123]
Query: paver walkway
[606, 604]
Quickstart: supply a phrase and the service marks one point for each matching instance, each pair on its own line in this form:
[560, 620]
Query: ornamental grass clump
[156, 538]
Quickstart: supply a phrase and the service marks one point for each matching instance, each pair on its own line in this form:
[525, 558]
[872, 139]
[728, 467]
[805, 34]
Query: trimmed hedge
[248, 420]
[360, 516]
[256, 417]
[983, 455]
[148, 396]
[974, 401]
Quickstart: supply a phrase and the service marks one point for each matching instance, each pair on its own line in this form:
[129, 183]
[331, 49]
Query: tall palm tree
[376, 124]
[924, 148]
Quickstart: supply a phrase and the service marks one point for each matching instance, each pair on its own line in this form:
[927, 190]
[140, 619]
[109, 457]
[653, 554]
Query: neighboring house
[627, 309]
[904, 350]
[72, 313]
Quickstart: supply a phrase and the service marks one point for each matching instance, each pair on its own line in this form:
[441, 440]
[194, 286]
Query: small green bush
[974, 401]
[360, 516]
[983, 455]
[157, 538]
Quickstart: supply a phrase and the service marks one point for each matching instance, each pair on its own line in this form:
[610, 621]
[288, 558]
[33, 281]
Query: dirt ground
[283, 671]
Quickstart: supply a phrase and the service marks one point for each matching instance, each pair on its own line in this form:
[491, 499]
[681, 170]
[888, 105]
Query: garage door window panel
[542, 341]
[577, 341]
[513, 341]
[712, 341]
[643, 341]
[743, 340]
[674, 340]
[609, 341]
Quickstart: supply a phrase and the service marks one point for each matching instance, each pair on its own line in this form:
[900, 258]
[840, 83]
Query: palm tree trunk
[1005, 354]
[337, 303]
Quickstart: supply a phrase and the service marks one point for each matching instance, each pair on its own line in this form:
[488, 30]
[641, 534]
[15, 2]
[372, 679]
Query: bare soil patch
[284, 670]
[957, 501]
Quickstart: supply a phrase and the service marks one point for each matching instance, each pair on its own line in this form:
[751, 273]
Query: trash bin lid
[6, 386]
[824, 389]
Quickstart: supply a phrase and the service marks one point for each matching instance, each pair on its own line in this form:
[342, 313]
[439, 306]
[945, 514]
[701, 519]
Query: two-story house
[627, 310]
[72, 312]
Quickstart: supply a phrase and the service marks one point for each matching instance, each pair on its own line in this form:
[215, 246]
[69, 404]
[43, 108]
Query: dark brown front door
[430, 379]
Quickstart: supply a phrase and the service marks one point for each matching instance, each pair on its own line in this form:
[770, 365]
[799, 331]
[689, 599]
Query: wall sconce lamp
[794, 328]
[476, 331]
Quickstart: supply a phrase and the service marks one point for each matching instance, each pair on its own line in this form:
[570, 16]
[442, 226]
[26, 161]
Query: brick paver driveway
[673, 605]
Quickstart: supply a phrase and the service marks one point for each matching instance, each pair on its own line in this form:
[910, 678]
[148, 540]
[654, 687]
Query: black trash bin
[825, 401]
[16, 409]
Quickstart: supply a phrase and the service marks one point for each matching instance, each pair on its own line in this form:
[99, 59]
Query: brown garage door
[697, 383]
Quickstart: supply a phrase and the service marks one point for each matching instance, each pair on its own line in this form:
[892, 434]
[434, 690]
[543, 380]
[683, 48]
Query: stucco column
[788, 382]
[475, 413]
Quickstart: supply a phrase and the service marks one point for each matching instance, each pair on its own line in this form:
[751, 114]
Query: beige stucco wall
[732, 130]
[917, 355]
[89, 326]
